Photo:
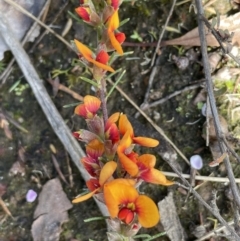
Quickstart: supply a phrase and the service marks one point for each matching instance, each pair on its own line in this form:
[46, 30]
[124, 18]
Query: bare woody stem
[103, 100]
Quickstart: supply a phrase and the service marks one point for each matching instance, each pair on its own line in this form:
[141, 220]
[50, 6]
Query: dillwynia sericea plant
[116, 169]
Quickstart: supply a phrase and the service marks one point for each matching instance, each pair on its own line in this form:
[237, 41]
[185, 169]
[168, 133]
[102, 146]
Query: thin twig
[154, 70]
[219, 39]
[213, 211]
[209, 85]
[201, 178]
[46, 31]
[67, 90]
[8, 70]
[175, 93]
[214, 232]
[163, 31]
[24, 11]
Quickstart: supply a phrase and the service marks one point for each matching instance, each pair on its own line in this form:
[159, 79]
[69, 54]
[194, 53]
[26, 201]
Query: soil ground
[147, 19]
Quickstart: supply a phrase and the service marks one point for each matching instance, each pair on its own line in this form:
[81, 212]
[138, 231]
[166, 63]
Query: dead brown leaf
[230, 23]
[51, 212]
[170, 219]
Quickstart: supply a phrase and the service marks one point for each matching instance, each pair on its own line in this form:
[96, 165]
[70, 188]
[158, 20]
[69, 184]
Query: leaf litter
[51, 212]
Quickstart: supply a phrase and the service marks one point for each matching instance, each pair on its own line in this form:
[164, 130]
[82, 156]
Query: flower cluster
[107, 23]
[115, 167]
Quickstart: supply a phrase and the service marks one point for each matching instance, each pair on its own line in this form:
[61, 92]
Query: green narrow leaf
[75, 17]
[92, 82]
[95, 219]
[116, 83]
[14, 86]
[71, 105]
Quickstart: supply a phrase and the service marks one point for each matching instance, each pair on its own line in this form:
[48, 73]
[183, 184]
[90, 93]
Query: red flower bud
[120, 37]
[102, 57]
[84, 13]
[126, 215]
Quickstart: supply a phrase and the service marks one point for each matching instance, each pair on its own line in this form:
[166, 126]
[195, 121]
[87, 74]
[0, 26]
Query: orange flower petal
[147, 160]
[92, 103]
[102, 66]
[84, 50]
[113, 118]
[156, 177]
[113, 22]
[129, 166]
[115, 43]
[88, 55]
[148, 214]
[145, 141]
[81, 110]
[116, 194]
[107, 171]
[84, 197]
[125, 125]
[95, 148]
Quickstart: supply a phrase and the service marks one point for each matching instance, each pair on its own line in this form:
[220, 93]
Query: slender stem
[103, 100]
[209, 84]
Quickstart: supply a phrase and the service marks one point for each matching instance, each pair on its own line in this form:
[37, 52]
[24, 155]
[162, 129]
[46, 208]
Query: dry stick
[67, 90]
[214, 232]
[201, 178]
[52, 114]
[24, 11]
[163, 31]
[209, 208]
[168, 97]
[209, 85]
[154, 70]
[8, 70]
[46, 31]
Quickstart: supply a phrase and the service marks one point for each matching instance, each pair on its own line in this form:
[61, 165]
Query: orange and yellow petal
[125, 125]
[102, 66]
[84, 50]
[81, 110]
[147, 160]
[156, 177]
[112, 119]
[115, 43]
[84, 197]
[107, 172]
[113, 22]
[84, 13]
[92, 103]
[145, 141]
[116, 194]
[95, 148]
[129, 166]
[148, 214]
[112, 133]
